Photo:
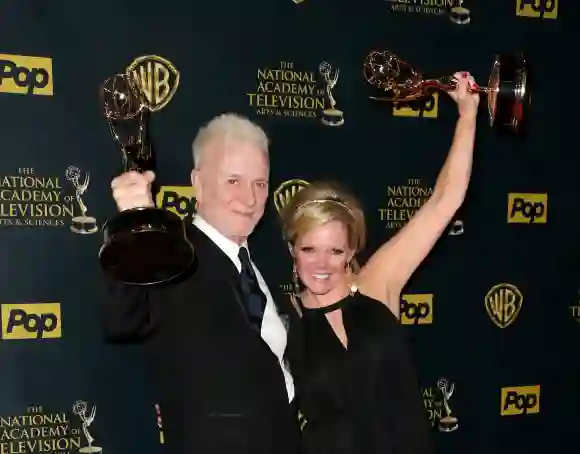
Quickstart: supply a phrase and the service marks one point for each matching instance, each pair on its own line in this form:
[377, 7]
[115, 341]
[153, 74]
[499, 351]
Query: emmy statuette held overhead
[508, 88]
[143, 245]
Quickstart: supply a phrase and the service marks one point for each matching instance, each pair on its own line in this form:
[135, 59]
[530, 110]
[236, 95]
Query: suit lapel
[220, 265]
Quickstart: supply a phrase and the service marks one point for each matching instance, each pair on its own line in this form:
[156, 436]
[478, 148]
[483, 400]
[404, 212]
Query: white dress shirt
[273, 330]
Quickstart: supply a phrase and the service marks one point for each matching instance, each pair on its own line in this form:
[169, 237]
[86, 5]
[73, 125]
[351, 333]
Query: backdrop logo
[31, 321]
[527, 208]
[454, 10]
[575, 309]
[403, 201]
[284, 193]
[24, 75]
[331, 116]
[542, 9]
[437, 405]
[503, 303]
[81, 409]
[28, 199]
[417, 309]
[287, 92]
[425, 108]
[81, 224]
[520, 400]
[158, 79]
[177, 199]
[39, 431]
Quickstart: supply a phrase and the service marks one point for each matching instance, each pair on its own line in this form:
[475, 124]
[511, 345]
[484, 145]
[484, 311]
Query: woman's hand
[467, 101]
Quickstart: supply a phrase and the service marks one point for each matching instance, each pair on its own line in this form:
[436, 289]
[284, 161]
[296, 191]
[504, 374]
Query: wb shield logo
[288, 189]
[424, 108]
[520, 400]
[417, 309]
[503, 304]
[157, 78]
[541, 9]
[527, 208]
[178, 199]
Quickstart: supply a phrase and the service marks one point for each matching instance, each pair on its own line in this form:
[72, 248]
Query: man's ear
[196, 183]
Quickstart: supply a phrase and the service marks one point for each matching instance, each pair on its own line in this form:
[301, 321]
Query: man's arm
[126, 315]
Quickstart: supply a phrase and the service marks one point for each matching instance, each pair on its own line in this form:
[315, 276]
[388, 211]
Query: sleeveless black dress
[361, 400]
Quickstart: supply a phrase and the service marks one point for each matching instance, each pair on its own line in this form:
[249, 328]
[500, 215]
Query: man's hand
[133, 190]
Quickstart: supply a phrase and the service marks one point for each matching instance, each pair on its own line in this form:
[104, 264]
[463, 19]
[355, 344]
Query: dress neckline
[329, 308]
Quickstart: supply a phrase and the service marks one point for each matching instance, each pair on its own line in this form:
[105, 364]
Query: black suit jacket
[221, 389]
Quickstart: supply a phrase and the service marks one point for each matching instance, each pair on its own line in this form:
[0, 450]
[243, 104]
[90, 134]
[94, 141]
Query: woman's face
[321, 257]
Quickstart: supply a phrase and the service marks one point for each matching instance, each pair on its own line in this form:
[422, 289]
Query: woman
[356, 387]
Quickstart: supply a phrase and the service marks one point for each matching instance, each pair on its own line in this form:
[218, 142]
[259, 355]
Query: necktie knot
[244, 257]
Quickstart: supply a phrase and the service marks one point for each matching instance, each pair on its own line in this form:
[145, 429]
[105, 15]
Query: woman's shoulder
[374, 305]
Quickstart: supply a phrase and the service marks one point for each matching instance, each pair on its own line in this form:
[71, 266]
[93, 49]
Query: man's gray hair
[228, 127]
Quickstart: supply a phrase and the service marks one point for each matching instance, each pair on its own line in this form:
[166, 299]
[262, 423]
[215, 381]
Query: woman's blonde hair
[319, 203]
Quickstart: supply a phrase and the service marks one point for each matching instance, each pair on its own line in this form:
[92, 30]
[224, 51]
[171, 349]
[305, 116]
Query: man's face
[231, 188]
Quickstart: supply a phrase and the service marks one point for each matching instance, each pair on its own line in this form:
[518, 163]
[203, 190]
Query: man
[215, 338]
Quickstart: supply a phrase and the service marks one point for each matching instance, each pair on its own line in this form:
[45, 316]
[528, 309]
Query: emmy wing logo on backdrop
[82, 224]
[447, 423]
[157, 78]
[503, 303]
[80, 409]
[437, 405]
[331, 116]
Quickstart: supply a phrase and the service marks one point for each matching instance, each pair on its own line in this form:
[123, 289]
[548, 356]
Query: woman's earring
[352, 288]
[295, 280]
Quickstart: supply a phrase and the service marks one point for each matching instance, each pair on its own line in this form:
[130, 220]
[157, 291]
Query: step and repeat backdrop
[493, 314]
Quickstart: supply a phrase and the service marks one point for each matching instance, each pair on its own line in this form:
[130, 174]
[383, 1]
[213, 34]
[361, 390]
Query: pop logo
[520, 400]
[24, 75]
[542, 9]
[31, 321]
[178, 199]
[527, 208]
[424, 108]
[417, 309]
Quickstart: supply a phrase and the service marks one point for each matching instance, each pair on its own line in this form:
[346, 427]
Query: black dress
[364, 399]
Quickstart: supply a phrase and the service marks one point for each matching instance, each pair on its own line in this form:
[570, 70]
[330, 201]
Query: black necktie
[254, 298]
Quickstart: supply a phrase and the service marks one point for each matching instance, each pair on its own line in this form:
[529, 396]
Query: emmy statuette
[143, 245]
[508, 89]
